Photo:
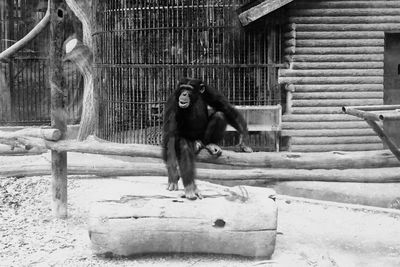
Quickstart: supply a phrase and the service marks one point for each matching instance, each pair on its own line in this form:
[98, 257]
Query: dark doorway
[391, 82]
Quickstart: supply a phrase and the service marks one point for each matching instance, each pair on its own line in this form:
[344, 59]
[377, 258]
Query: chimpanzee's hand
[214, 150]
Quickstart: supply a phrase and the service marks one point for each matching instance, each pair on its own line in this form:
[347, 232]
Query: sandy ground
[309, 234]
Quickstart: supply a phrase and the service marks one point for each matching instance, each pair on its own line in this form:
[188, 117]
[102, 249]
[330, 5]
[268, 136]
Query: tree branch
[9, 52]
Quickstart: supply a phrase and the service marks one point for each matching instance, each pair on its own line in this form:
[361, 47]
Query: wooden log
[58, 117]
[324, 125]
[47, 134]
[261, 10]
[335, 102]
[340, 35]
[5, 95]
[345, 12]
[340, 50]
[332, 80]
[338, 65]
[338, 87]
[374, 173]
[385, 138]
[338, 95]
[349, 27]
[147, 218]
[373, 108]
[82, 56]
[339, 58]
[328, 132]
[12, 50]
[339, 43]
[361, 114]
[330, 72]
[335, 140]
[372, 20]
[336, 147]
[330, 160]
[317, 110]
[319, 117]
[346, 4]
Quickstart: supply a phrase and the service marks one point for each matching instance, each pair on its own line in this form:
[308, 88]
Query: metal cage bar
[143, 48]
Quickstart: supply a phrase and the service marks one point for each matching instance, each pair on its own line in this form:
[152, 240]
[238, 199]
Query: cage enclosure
[143, 48]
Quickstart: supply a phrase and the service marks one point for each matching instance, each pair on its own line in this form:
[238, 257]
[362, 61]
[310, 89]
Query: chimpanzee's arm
[219, 102]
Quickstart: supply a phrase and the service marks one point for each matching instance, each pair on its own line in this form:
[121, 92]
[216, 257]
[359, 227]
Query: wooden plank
[58, 117]
[261, 10]
[143, 217]
[385, 139]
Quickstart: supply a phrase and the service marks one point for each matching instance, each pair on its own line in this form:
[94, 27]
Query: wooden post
[58, 118]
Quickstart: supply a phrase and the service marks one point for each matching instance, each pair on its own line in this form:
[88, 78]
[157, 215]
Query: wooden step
[335, 140]
[336, 147]
[336, 102]
[318, 117]
[337, 65]
[338, 95]
[337, 87]
[329, 132]
[324, 125]
[330, 72]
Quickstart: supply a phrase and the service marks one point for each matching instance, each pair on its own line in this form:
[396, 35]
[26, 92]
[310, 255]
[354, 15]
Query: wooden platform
[145, 218]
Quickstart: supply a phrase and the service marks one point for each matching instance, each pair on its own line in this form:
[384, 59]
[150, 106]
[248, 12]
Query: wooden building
[340, 53]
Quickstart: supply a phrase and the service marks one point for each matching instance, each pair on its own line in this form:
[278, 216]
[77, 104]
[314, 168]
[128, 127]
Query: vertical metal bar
[57, 83]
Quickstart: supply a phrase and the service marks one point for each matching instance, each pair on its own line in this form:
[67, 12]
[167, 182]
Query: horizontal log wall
[335, 50]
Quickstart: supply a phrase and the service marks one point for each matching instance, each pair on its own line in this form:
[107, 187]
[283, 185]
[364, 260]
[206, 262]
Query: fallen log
[48, 134]
[289, 160]
[141, 217]
[256, 176]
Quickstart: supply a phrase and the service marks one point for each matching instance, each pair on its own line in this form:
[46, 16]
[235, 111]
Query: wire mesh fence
[142, 49]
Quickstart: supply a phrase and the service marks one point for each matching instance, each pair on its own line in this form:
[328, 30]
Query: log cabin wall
[336, 55]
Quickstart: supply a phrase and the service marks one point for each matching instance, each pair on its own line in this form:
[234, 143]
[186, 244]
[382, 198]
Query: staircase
[336, 55]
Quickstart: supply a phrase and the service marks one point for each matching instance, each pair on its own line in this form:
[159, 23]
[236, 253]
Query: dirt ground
[309, 233]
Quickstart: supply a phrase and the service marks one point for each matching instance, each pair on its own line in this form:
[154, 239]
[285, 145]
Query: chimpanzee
[190, 126]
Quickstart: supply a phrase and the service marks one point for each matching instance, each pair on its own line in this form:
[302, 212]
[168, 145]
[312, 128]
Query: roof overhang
[248, 16]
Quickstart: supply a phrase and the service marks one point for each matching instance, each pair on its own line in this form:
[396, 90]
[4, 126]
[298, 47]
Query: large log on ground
[327, 160]
[143, 217]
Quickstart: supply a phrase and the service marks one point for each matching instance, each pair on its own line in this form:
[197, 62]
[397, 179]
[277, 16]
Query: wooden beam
[385, 139]
[261, 10]
[58, 117]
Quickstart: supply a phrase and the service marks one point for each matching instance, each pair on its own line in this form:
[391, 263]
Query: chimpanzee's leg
[170, 159]
[215, 132]
[186, 160]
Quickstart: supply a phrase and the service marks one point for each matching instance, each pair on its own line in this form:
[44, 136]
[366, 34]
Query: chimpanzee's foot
[244, 148]
[198, 145]
[172, 186]
[214, 150]
[192, 193]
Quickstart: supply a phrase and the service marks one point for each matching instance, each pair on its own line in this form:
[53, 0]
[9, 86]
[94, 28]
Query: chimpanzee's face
[189, 93]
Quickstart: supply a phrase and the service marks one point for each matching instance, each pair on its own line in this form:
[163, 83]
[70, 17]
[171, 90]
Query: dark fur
[183, 127]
